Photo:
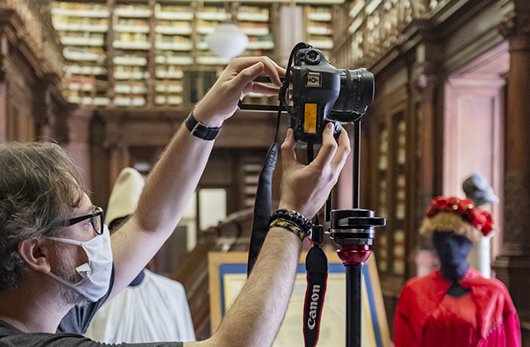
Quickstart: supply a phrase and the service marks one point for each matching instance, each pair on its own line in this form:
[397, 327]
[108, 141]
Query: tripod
[352, 231]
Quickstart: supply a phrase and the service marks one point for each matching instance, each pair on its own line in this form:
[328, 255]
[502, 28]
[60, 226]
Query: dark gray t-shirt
[69, 332]
[12, 337]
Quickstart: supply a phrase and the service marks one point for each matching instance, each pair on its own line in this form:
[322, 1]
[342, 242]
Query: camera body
[321, 93]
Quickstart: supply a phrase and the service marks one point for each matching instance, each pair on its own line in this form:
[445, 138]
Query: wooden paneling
[3, 113]
[472, 34]
[473, 130]
[513, 266]
[31, 106]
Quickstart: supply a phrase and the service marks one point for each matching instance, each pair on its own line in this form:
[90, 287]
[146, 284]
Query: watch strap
[200, 130]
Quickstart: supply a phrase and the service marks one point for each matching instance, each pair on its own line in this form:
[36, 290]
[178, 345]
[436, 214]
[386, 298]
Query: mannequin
[153, 307]
[478, 190]
[454, 305]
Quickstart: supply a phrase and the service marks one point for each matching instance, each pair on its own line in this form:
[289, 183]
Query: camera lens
[312, 57]
[356, 92]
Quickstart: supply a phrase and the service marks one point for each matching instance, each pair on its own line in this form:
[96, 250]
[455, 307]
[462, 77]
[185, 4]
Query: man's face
[71, 256]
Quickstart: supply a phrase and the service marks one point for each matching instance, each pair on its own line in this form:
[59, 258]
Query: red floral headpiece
[478, 218]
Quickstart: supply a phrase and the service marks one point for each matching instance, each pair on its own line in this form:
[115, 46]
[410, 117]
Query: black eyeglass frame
[98, 212]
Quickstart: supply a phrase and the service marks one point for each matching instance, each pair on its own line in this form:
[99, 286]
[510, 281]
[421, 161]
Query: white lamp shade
[227, 40]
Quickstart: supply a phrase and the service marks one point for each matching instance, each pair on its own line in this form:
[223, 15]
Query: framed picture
[228, 273]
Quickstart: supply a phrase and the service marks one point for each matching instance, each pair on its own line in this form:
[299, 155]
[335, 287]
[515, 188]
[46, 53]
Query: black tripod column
[353, 305]
[356, 145]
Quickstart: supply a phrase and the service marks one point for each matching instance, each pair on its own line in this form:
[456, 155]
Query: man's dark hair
[39, 188]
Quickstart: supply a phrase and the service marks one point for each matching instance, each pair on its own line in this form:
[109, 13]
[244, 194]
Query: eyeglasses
[95, 219]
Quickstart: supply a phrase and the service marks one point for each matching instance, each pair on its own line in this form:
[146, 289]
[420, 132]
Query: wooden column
[425, 86]
[513, 266]
[78, 142]
[3, 113]
[118, 151]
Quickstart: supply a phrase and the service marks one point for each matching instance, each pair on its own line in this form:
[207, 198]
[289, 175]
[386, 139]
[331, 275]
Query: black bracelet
[201, 130]
[294, 217]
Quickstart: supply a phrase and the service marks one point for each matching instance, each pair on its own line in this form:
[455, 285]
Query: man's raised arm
[175, 177]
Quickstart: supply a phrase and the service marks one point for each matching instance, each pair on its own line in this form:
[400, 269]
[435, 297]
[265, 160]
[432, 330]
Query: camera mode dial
[312, 57]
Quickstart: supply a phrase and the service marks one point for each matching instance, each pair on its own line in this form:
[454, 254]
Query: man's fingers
[246, 70]
[328, 149]
[255, 87]
[343, 150]
[248, 74]
[264, 88]
[288, 149]
[273, 71]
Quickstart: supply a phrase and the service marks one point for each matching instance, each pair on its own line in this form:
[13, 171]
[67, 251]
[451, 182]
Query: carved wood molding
[245, 129]
[37, 30]
[516, 19]
[13, 35]
[420, 22]
[516, 206]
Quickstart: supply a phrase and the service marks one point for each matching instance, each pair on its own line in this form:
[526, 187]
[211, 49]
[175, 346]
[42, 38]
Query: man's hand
[306, 188]
[236, 81]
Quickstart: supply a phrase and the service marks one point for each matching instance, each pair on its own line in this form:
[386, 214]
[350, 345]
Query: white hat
[125, 195]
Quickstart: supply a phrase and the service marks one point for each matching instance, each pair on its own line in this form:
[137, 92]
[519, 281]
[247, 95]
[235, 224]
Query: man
[54, 253]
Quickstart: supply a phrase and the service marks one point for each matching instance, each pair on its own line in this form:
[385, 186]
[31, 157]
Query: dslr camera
[314, 92]
[320, 93]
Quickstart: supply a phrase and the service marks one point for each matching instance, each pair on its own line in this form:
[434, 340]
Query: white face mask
[97, 272]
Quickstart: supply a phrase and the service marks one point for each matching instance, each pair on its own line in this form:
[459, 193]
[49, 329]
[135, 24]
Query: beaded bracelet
[293, 216]
[290, 226]
[295, 220]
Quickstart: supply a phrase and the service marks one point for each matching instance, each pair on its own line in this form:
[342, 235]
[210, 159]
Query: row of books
[319, 28]
[122, 43]
[83, 28]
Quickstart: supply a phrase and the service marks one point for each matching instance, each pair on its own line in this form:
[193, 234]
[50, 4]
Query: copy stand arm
[352, 231]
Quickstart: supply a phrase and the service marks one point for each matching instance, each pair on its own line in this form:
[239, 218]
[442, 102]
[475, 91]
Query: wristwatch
[200, 130]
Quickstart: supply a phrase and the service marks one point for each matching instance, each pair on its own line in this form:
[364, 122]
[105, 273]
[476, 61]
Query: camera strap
[317, 274]
[262, 206]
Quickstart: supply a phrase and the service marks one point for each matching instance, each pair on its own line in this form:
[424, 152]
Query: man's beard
[66, 270]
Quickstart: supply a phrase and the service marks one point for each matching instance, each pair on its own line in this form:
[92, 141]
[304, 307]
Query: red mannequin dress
[455, 306]
[484, 317]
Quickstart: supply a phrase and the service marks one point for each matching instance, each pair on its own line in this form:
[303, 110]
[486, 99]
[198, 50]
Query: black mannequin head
[453, 250]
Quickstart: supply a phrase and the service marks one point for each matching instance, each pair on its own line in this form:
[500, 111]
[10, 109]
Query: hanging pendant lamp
[227, 40]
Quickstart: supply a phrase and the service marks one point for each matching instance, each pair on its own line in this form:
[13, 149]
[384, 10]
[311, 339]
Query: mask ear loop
[82, 270]
[65, 282]
[68, 241]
